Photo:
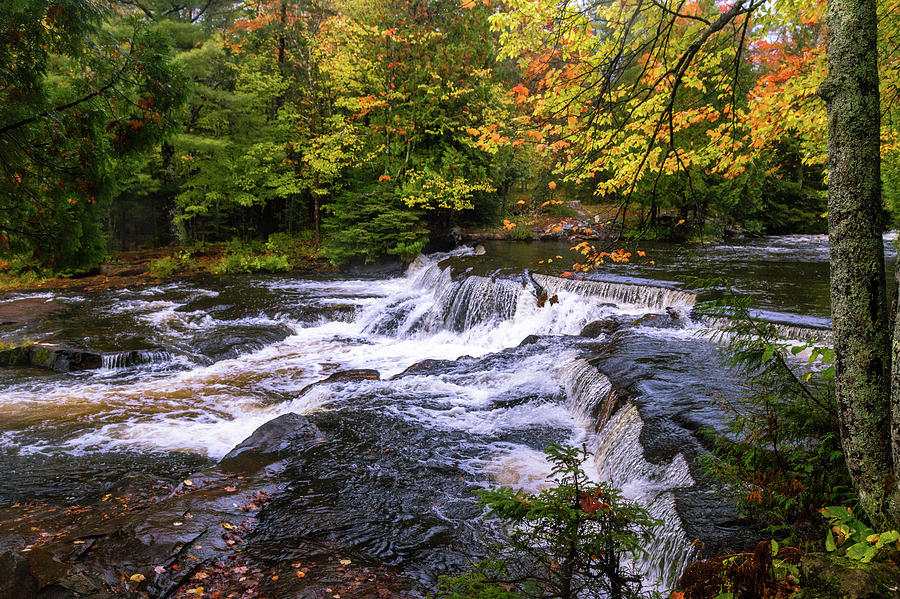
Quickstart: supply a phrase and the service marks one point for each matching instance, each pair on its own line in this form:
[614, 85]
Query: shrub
[164, 267]
[782, 457]
[521, 232]
[167, 266]
[574, 539]
[246, 262]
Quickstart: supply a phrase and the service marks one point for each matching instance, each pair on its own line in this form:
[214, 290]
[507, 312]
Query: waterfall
[591, 397]
[133, 358]
[464, 304]
[627, 296]
[786, 331]
[619, 459]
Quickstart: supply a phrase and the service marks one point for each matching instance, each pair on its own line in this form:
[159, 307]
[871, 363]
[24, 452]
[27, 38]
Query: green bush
[246, 262]
[521, 232]
[164, 267]
[182, 259]
[574, 539]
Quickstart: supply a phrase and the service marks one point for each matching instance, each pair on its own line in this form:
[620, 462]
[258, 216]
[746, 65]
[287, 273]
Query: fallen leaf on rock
[240, 570]
[345, 562]
[230, 489]
[177, 523]
[200, 575]
[137, 578]
[227, 525]
[300, 574]
[195, 591]
[159, 569]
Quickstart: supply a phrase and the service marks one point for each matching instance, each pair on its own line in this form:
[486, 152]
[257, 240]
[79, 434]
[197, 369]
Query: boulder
[827, 576]
[594, 329]
[15, 356]
[51, 356]
[530, 340]
[270, 442]
[424, 366]
[647, 320]
[63, 359]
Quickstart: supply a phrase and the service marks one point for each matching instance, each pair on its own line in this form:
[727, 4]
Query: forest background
[370, 127]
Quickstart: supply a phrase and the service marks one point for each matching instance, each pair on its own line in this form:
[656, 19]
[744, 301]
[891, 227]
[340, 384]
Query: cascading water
[134, 358]
[475, 376]
[625, 296]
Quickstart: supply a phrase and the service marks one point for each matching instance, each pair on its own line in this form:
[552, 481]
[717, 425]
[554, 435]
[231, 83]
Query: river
[220, 356]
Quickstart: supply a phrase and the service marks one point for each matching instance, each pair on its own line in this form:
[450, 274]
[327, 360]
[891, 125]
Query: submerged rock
[366, 374]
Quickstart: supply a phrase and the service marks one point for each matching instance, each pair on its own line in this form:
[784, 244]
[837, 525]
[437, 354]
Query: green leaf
[862, 552]
[829, 542]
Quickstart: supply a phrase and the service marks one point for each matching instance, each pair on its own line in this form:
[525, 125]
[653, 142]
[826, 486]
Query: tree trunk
[858, 302]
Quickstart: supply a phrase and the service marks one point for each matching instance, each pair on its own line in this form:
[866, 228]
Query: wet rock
[828, 576]
[23, 311]
[647, 320]
[358, 374]
[600, 327]
[270, 442]
[64, 359]
[614, 400]
[15, 357]
[528, 281]
[425, 366]
[16, 581]
[46, 569]
[236, 343]
[544, 299]
[51, 357]
[530, 340]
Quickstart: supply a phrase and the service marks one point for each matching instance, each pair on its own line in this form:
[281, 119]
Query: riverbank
[147, 267]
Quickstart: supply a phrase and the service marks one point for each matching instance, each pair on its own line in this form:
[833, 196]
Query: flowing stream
[476, 375]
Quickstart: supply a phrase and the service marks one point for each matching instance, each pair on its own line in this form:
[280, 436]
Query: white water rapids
[173, 401]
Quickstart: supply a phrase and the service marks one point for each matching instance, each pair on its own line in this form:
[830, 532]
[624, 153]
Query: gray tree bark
[862, 339]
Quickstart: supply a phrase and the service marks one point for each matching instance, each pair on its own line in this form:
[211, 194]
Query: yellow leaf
[137, 578]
